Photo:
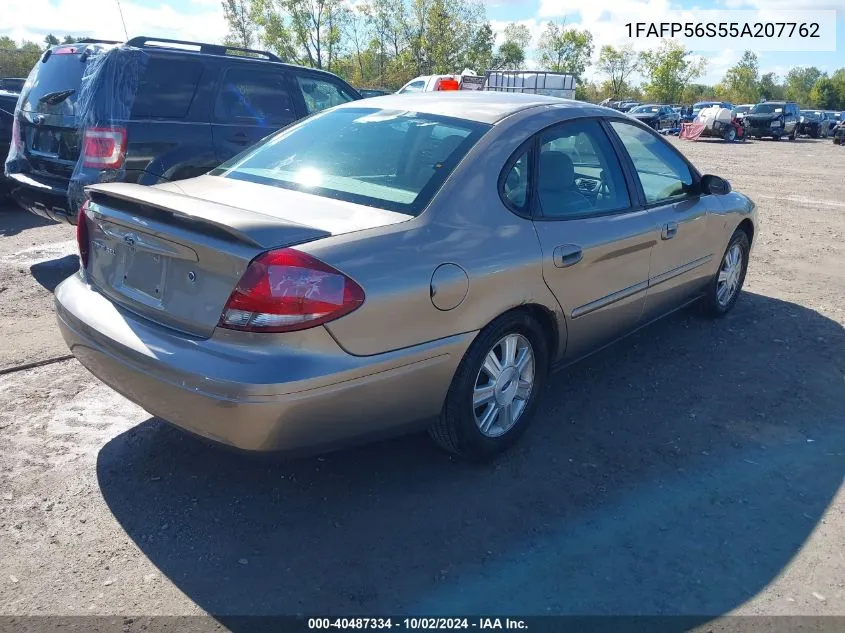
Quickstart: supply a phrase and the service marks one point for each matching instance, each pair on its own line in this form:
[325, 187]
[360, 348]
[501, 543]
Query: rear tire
[730, 135]
[470, 407]
[723, 290]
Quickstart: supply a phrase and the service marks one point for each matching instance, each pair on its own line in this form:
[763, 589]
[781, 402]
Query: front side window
[254, 97]
[320, 94]
[332, 154]
[664, 175]
[579, 173]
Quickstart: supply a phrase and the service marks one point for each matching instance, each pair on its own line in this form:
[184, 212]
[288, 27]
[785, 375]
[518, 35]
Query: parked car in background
[775, 119]
[8, 100]
[368, 93]
[627, 106]
[831, 119]
[658, 117]
[12, 84]
[193, 106]
[261, 308]
[742, 110]
[431, 83]
[698, 107]
[813, 123]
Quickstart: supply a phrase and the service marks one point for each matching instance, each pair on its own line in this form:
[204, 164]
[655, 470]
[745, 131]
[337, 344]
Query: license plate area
[46, 141]
[143, 275]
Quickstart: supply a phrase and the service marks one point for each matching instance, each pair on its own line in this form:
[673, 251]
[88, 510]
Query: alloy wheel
[503, 385]
[729, 275]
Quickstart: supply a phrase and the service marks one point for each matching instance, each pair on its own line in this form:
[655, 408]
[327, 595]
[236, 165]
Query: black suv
[773, 118]
[149, 111]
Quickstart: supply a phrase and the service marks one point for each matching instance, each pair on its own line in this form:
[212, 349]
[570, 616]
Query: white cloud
[33, 19]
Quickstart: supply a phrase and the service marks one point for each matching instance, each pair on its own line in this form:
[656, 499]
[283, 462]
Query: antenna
[120, 10]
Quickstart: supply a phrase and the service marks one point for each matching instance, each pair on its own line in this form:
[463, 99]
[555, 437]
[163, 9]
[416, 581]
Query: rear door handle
[669, 231]
[567, 255]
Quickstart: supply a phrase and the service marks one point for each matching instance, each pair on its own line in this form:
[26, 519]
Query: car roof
[481, 106]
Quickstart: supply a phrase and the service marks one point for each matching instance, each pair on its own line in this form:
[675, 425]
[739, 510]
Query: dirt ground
[695, 468]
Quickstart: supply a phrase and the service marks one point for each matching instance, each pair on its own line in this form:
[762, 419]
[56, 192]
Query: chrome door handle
[567, 255]
[669, 231]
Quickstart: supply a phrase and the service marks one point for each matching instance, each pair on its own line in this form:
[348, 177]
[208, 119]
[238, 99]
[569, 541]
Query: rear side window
[254, 97]
[320, 94]
[579, 173]
[167, 88]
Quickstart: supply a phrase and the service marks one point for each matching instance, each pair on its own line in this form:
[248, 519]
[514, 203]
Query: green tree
[740, 83]
[70, 39]
[511, 52]
[7, 42]
[770, 88]
[480, 53]
[51, 40]
[669, 69]
[565, 50]
[694, 93]
[799, 82]
[618, 64]
[838, 79]
[823, 94]
[238, 14]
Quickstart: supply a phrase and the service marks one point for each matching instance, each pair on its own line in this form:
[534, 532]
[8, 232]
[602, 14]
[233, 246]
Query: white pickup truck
[531, 81]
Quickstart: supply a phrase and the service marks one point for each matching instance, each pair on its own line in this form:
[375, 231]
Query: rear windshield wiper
[57, 97]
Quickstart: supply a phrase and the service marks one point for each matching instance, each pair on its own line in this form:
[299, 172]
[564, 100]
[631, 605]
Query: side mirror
[715, 185]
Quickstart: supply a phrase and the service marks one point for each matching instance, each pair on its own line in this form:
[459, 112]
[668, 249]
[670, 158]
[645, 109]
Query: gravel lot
[695, 468]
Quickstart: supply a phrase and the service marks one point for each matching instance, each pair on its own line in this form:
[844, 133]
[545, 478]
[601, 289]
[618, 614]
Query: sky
[202, 20]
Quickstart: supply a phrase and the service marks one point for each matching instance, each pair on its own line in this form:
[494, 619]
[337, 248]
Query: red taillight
[82, 235]
[104, 147]
[65, 50]
[286, 290]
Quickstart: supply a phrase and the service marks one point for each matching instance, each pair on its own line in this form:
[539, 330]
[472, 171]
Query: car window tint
[515, 184]
[254, 97]
[320, 94]
[579, 173]
[664, 175]
[167, 88]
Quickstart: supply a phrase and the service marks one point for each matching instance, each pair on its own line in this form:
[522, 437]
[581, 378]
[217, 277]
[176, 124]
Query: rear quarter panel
[467, 225]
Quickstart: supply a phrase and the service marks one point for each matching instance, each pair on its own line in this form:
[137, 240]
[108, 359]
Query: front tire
[723, 291]
[495, 390]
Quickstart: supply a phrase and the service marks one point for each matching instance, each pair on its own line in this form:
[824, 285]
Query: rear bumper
[279, 396]
[47, 198]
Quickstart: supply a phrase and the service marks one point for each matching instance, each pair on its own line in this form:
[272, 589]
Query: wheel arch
[747, 227]
[548, 322]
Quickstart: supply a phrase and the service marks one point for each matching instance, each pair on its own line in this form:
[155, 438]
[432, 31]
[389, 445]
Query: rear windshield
[646, 110]
[61, 73]
[334, 154]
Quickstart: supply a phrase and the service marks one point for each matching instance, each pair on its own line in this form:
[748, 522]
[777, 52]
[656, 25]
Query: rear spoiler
[197, 215]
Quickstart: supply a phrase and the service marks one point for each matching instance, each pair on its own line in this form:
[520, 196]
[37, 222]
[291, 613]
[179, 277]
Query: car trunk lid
[175, 258]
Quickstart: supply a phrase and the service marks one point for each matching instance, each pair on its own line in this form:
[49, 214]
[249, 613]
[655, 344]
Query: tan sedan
[413, 261]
